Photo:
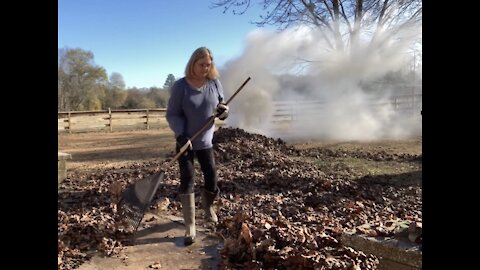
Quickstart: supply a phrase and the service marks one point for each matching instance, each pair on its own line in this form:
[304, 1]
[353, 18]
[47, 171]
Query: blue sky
[145, 40]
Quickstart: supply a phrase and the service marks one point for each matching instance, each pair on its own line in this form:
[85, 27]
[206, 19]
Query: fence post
[69, 123]
[148, 127]
[110, 118]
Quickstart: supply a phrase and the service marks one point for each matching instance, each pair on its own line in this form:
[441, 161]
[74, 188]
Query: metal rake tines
[132, 215]
[137, 197]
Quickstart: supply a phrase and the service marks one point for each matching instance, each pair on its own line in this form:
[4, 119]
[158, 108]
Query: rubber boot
[188, 210]
[207, 204]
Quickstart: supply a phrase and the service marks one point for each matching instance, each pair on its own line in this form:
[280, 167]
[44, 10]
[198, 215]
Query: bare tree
[158, 95]
[81, 83]
[137, 99]
[341, 22]
[115, 94]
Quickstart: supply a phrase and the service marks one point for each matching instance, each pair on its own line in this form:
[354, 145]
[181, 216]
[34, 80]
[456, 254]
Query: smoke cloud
[299, 90]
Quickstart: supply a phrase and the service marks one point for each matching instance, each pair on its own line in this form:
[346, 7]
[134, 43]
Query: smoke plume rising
[298, 90]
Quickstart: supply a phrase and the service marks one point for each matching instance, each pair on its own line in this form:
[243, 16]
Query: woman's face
[202, 67]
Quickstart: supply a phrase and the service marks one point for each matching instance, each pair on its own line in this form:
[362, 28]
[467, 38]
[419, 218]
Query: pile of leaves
[276, 209]
[282, 211]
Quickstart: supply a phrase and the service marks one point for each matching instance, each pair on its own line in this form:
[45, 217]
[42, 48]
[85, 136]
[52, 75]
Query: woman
[194, 99]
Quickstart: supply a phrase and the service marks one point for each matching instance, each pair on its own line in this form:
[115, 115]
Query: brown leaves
[245, 234]
[87, 222]
[115, 190]
[298, 211]
[155, 265]
[276, 210]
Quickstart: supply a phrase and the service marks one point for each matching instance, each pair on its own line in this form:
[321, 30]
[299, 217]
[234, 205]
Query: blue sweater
[188, 110]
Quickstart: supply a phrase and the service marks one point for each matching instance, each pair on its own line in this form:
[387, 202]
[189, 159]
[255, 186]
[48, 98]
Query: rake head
[136, 198]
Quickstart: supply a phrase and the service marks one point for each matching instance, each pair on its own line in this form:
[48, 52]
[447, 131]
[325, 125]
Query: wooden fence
[287, 111]
[109, 120]
[284, 111]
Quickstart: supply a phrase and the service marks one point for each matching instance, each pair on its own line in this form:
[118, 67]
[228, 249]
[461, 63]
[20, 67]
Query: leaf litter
[276, 210]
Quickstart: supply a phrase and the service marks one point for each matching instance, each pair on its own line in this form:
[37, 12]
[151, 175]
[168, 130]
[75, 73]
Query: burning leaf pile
[277, 209]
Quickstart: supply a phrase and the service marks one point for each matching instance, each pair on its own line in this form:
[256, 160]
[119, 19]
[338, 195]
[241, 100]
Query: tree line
[83, 85]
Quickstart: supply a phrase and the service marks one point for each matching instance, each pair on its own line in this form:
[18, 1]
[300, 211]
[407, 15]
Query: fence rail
[109, 120]
[284, 112]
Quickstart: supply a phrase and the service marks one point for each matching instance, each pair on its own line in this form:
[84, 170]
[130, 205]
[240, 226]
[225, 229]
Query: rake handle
[238, 90]
[210, 120]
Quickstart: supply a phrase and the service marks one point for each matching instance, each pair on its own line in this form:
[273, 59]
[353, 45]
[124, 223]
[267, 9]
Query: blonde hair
[197, 55]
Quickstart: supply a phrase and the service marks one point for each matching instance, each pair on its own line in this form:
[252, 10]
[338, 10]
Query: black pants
[187, 170]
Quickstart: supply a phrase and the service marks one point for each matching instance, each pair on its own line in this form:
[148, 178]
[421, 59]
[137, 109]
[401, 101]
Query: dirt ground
[158, 243]
[92, 150]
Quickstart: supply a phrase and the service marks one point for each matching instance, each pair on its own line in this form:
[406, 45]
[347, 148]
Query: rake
[136, 197]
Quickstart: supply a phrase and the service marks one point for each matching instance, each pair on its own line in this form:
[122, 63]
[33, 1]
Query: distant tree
[159, 96]
[134, 97]
[169, 81]
[116, 81]
[81, 83]
[137, 99]
[115, 94]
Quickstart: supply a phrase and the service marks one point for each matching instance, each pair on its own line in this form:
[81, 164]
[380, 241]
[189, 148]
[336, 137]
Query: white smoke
[320, 88]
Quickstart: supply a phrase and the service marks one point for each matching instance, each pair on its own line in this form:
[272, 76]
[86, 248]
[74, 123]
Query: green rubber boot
[188, 210]
[207, 203]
